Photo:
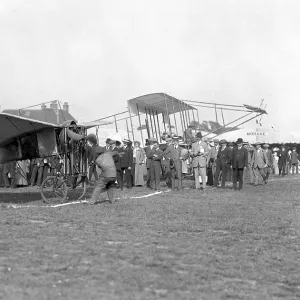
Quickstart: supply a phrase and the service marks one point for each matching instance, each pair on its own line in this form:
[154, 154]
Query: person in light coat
[138, 164]
[199, 154]
[259, 163]
[270, 160]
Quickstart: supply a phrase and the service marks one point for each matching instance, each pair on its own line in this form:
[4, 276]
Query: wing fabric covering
[22, 138]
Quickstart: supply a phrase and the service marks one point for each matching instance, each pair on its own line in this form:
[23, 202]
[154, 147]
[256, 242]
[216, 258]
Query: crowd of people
[211, 162]
[28, 172]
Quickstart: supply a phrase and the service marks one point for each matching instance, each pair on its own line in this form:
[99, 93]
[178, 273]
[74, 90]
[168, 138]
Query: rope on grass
[81, 202]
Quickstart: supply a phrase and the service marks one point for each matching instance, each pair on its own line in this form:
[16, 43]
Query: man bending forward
[107, 178]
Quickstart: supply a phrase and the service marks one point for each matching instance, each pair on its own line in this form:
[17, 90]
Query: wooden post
[129, 110]
[174, 117]
[166, 104]
[158, 126]
[116, 124]
[137, 107]
[147, 123]
[223, 117]
[127, 128]
[155, 125]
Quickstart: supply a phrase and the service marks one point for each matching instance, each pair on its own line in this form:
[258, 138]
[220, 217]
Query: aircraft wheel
[54, 190]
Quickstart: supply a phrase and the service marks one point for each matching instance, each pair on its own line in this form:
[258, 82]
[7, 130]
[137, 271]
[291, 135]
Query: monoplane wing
[12, 127]
[94, 124]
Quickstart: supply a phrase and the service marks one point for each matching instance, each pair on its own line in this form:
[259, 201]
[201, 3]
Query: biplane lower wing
[22, 138]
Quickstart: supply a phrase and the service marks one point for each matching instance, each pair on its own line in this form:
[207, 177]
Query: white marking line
[83, 201]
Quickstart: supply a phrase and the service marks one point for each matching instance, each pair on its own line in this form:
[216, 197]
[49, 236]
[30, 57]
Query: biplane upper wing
[12, 127]
[157, 103]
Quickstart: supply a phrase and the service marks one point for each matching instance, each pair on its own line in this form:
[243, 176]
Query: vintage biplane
[160, 114]
[23, 138]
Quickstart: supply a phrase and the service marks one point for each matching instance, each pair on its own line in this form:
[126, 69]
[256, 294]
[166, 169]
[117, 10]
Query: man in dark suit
[148, 148]
[126, 159]
[173, 154]
[223, 163]
[239, 162]
[155, 155]
[9, 174]
[166, 164]
[92, 144]
[282, 160]
[117, 149]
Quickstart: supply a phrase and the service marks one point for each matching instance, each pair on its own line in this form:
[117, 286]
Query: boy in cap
[107, 178]
[107, 144]
[239, 162]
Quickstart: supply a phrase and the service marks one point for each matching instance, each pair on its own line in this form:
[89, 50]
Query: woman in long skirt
[139, 162]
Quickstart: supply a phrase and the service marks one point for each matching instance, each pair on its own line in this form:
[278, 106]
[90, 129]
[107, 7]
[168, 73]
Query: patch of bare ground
[217, 244]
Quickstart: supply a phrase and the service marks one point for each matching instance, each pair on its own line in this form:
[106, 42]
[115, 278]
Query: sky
[96, 54]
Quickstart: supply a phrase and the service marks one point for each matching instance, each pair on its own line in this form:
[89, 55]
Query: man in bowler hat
[223, 163]
[239, 163]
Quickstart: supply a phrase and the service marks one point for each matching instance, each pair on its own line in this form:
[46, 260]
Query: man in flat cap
[199, 154]
[155, 156]
[259, 162]
[107, 144]
[174, 155]
[223, 163]
[239, 162]
[108, 176]
[269, 154]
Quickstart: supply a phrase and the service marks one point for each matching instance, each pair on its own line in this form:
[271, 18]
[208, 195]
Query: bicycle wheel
[79, 188]
[54, 190]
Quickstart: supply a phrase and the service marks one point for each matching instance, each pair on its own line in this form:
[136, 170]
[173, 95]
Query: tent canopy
[157, 103]
[261, 134]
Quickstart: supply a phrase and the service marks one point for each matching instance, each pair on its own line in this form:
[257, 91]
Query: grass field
[177, 245]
